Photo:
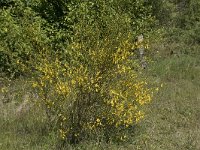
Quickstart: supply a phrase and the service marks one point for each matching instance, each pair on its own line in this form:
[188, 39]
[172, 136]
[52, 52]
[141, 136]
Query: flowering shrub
[97, 91]
[94, 87]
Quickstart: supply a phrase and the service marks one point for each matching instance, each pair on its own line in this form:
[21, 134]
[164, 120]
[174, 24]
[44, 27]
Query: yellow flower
[73, 82]
[161, 85]
[34, 85]
[98, 120]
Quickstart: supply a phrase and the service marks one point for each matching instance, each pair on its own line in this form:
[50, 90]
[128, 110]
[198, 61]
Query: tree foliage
[20, 37]
[180, 21]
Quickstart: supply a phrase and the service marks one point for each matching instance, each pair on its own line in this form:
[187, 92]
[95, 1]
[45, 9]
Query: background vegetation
[41, 41]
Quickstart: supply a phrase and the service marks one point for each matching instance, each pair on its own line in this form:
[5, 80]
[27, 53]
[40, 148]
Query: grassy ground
[172, 121]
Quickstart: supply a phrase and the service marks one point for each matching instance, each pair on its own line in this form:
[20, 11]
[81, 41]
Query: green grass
[172, 120]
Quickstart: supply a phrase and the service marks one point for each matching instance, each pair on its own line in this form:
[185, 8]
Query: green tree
[21, 35]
